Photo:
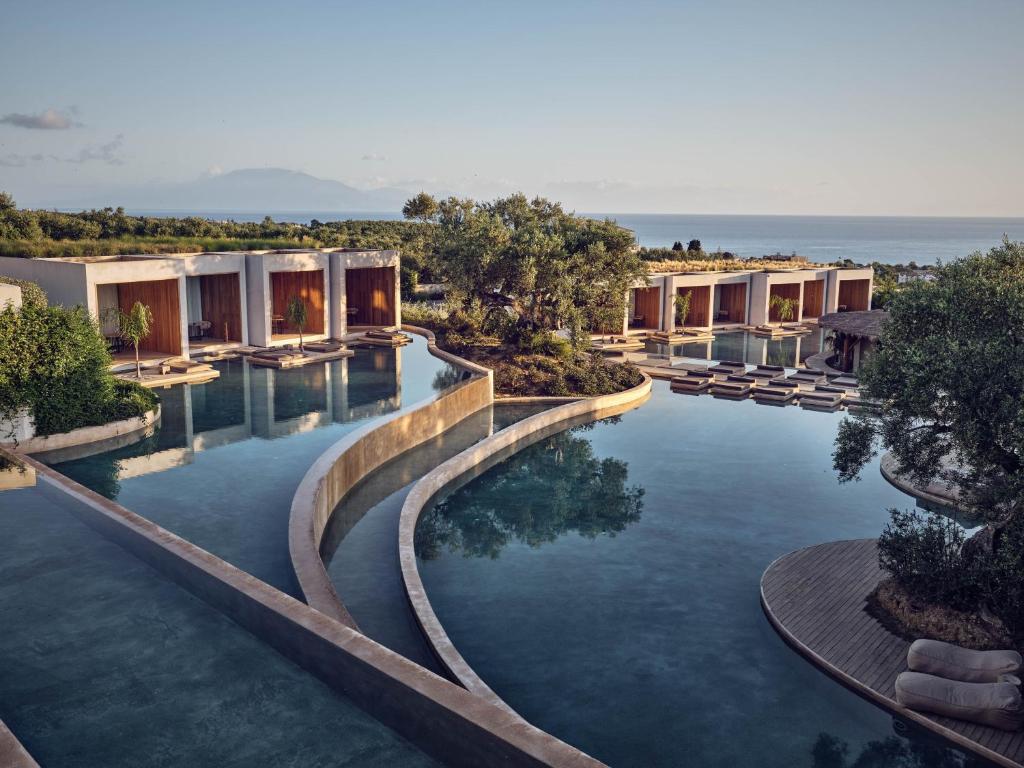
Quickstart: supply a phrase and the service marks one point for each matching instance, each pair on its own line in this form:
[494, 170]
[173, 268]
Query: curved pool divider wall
[461, 469]
[360, 453]
[79, 441]
[442, 719]
[942, 497]
[12, 753]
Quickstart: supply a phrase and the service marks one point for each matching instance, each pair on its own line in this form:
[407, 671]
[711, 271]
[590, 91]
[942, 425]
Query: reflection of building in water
[790, 351]
[372, 385]
[288, 401]
[249, 401]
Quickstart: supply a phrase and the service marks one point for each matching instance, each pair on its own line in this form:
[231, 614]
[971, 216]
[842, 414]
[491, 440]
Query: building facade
[227, 299]
[741, 298]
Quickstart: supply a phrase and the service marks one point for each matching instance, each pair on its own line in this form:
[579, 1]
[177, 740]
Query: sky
[904, 107]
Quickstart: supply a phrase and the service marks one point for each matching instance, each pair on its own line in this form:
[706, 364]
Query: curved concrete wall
[358, 454]
[459, 470]
[934, 493]
[78, 437]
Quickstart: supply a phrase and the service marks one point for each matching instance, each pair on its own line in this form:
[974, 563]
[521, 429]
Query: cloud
[375, 157]
[19, 161]
[108, 153]
[50, 120]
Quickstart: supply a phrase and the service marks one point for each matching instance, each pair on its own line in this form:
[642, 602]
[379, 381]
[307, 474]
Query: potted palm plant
[785, 308]
[295, 314]
[134, 327]
[683, 307]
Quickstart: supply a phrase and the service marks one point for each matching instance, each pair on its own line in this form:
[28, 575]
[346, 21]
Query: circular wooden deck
[816, 599]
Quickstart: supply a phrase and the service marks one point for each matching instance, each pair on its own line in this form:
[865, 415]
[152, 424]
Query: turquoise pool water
[604, 582]
[103, 662]
[747, 347]
[223, 465]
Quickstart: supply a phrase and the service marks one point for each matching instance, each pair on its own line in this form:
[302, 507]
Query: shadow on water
[893, 752]
[549, 489]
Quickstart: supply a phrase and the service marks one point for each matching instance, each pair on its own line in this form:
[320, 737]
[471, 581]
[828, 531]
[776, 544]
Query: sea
[861, 239]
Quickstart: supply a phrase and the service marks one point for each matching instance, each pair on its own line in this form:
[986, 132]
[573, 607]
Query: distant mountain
[245, 190]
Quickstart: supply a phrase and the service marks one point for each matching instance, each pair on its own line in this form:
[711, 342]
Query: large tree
[531, 261]
[949, 373]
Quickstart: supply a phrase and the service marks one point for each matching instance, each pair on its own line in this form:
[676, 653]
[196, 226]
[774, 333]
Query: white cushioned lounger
[994, 704]
[935, 657]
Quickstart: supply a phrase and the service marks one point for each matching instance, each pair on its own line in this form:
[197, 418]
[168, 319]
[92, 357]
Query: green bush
[1005, 577]
[925, 555]
[30, 292]
[587, 375]
[56, 365]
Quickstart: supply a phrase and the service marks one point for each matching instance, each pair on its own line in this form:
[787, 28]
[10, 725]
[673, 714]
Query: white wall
[10, 295]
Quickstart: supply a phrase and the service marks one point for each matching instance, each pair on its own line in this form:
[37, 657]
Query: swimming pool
[223, 464]
[605, 581]
[105, 662]
[747, 347]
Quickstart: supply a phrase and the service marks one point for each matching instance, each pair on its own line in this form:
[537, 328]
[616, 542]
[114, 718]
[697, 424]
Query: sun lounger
[725, 368]
[767, 373]
[187, 366]
[692, 381]
[324, 346]
[734, 386]
[776, 392]
[826, 401]
[847, 382]
[934, 657]
[842, 391]
[279, 354]
[808, 378]
[997, 705]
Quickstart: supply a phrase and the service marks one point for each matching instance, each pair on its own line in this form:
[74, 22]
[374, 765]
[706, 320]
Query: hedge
[56, 365]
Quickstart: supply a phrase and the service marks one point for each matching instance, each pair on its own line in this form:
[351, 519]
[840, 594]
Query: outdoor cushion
[994, 704]
[935, 657]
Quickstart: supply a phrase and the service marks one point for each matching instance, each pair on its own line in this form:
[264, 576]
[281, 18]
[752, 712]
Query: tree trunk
[138, 365]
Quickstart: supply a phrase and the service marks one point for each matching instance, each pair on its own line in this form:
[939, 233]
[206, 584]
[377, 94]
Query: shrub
[924, 554]
[30, 292]
[1005, 577]
[586, 375]
[56, 365]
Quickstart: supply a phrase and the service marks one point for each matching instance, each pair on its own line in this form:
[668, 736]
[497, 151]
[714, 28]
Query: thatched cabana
[855, 335]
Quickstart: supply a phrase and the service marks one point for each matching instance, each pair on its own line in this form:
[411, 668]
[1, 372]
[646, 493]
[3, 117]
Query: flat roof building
[231, 298]
[744, 297]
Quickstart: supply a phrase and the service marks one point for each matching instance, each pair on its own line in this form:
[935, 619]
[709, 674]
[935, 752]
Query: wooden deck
[816, 597]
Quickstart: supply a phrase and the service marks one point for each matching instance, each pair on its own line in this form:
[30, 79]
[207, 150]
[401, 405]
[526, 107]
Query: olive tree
[947, 375]
[533, 265]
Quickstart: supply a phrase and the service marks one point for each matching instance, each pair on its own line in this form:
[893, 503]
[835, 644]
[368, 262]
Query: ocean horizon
[862, 239]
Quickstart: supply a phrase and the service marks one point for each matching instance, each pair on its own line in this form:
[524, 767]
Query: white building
[732, 299]
[226, 299]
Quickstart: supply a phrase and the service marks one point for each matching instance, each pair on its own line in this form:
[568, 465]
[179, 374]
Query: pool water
[227, 456]
[360, 544]
[104, 662]
[605, 583]
[747, 347]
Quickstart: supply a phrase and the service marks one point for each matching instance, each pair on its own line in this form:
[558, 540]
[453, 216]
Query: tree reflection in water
[831, 752]
[551, 488]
